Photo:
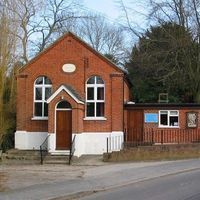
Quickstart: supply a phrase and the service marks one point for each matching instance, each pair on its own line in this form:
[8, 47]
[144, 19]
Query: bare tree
[25, 13]
[128, 14]
[40, 22]
[102, 35]
[183, 12]
[8, 48]
[93, 30]
[58, 16]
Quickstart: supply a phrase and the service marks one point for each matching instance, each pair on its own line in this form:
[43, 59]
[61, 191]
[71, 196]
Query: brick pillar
[21, 102]
[51, 117]
[117, 101]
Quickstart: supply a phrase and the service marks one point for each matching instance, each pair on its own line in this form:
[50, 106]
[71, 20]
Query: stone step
[20, 157]
[20, 162]
[15, 156]
[23, 152]
[56, 157]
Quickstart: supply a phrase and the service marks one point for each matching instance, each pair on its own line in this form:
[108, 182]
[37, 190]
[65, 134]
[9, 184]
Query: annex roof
[133, 105]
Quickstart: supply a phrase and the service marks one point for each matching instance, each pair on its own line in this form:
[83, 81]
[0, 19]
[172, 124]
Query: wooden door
[63, 129]
[135, 125]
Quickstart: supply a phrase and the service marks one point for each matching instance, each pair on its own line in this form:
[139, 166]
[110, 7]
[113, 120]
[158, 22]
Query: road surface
[181, 186]
[142, 180]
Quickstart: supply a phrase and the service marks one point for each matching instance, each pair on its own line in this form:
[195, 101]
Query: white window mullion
[43, 95]
[168, 118]
[42, 109]
[104, 93]
[95, 80]
[95, 100]
[95, 109]
[43, 99]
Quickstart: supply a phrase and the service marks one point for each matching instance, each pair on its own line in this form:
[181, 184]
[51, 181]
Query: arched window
[95, 97]
[42, 91]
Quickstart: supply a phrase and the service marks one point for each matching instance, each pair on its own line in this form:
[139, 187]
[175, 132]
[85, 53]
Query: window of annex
[42, 91]
[95, 98]
[168, 118]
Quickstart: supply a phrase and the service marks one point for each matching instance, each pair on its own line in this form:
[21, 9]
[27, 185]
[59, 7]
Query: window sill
[95, 118]
[39, 118]
[168, 126]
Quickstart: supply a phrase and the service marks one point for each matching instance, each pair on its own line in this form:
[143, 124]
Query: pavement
[62, 182]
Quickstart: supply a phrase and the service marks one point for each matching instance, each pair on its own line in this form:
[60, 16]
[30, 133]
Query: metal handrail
[44, 149]
[72, 149]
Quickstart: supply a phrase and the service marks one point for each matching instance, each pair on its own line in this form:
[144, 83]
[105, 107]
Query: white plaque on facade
[192, 119]
[68, 68]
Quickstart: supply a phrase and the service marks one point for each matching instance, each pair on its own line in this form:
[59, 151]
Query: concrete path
[65, 182]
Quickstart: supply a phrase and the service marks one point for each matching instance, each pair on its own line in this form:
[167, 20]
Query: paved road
[182, 186]
[49, 182]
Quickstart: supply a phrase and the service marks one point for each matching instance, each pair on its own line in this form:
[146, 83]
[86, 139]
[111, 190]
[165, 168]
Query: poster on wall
[151, 118]
[192, 120]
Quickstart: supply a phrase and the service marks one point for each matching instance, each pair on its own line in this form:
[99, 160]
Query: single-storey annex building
[70, 89]
[162, 123]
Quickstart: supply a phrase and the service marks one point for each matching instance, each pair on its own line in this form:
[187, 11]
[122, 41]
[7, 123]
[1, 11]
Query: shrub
[7, 141]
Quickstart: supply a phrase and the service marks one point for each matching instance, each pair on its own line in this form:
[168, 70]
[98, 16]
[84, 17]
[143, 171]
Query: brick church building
[70, 89]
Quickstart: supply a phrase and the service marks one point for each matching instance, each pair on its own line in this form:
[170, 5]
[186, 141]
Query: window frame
[95, 85]
[168, 118]
[43, 86]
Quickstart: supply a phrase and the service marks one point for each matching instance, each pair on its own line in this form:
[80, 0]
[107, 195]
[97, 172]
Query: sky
[137, 10]
[107, 7]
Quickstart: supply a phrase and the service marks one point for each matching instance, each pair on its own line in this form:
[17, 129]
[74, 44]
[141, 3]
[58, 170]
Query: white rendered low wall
[88, 143]
[29, 140]
[52, 142]
[96, 143]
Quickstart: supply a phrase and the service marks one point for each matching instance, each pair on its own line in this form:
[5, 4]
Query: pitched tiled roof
[70, 91]
[74, 92]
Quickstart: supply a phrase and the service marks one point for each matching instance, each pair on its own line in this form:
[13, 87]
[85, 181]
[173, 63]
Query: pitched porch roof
[70, 91]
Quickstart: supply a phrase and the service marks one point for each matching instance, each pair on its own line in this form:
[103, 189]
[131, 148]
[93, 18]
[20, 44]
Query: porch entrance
[63, 126]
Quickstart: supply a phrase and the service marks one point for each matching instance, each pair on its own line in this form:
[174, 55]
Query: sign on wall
[151, 118]
[68, 68]
[192, 120]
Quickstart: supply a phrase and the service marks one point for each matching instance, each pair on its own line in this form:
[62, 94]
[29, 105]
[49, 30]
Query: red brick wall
[126, 92]
[21, 102]
[70, 50]
[182, 117]
[117, 101]
[151, 132]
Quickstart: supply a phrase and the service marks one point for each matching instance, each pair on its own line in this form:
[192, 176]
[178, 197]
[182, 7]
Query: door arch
[63, 125]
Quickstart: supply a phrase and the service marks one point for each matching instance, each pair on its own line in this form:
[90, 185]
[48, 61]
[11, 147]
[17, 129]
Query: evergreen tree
[159, 64]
